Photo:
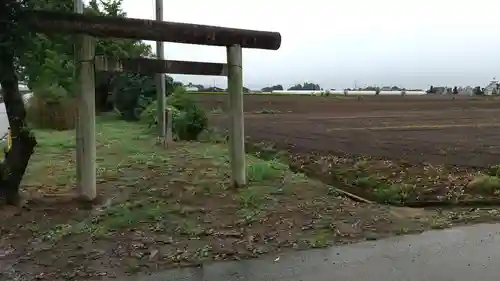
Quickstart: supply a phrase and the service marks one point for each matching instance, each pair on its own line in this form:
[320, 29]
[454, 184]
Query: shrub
[131, 93]
[50, 107]
[487, 185]
[190, 123]
[188, 118]
[149, 116]
[52, 115]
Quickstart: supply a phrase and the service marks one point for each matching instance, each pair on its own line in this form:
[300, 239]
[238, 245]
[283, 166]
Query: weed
[266, 153]
[489, 185]
[57, 232]
[259, 171]
[202, 253]
[324, 222]
[368, 182]
[190, 228]
[391, 193]
[116, 218]
[494, 171]
[320, 239]
[132, 266]
[267, 111]
[217, 110]
[125, 215]
[384, 192]
[249, 215]
[252, 197]
[212, 136]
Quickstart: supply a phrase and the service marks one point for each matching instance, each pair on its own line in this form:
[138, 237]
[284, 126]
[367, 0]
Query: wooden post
[85, 128]
[78, 8]
[160, 83]
[236, 129]
[87, 114]
[170, 137]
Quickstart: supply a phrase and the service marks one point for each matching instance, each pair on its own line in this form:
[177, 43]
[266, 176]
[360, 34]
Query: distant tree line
[443, 90]
[477, 91]
[272, 88]
[306, 86]
[212, 89]
[374, 88]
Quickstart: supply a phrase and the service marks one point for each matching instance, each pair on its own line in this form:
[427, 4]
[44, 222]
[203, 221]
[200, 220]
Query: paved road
[4, 122]
[459, 254]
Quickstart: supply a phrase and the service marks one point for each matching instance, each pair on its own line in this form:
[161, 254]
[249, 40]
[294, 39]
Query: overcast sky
[338, 43]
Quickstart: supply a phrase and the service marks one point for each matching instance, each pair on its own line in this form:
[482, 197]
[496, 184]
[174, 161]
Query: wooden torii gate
[111, 27]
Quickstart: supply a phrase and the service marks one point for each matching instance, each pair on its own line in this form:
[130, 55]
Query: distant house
[467, 91]
[492, 88]
[213, 90]
[191, 89]
[439, 90]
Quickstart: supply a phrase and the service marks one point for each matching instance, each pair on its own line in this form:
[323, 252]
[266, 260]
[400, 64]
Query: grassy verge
[395, 182]
[161, 208]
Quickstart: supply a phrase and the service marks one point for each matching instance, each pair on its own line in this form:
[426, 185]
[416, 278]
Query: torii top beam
[140, 29]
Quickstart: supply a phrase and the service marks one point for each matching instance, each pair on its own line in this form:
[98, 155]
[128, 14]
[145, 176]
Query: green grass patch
[383, 191]
[487, 185]
[146, 181]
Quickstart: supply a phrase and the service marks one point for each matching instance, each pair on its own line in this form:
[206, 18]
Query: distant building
[191, 89]
[439, 90]
[466, 91]
[492, 88]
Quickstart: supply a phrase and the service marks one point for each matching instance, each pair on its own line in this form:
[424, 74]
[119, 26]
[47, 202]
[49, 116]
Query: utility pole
[164, 134]
[85, 120]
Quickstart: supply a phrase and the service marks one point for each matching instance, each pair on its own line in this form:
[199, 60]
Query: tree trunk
[23, 140]
[104, 85]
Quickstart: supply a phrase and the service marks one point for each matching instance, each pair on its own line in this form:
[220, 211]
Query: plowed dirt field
[454, 138]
